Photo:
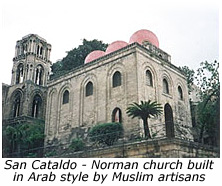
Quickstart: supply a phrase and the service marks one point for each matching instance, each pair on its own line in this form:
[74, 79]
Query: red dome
[144, 35]
[94, 55]
[116, 45]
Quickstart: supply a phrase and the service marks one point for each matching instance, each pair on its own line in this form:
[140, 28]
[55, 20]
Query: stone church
[98, 91]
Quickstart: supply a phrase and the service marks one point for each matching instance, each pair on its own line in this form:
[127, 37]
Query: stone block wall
[159, 148]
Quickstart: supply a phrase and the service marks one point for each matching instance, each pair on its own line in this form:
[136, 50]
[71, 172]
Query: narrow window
[39, 75]
[117, 79]
[149, 78]
[89, 89]
[65, 98]
[165, 86]
[117, 115]
[19, 74]
[36, 106]
[180, 93]
[41, 49]
[38, 50]
[16, 105]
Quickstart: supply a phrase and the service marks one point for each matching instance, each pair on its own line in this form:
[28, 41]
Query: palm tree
[143, 111]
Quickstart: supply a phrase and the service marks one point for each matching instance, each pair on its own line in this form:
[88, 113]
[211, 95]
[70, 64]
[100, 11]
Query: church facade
[99, 91]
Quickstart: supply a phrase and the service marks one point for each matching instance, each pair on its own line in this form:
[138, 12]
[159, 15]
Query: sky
[187, 30]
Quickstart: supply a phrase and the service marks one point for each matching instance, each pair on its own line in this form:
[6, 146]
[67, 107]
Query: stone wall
[86, 111]
[159, 148]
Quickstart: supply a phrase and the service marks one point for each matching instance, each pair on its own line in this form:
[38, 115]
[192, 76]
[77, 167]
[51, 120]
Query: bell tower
[31, 61]
[25, 98]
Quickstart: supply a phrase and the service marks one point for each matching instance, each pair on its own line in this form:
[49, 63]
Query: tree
[106, 133]
[189, 73]
[209, 108]
[144, 110]
[23, 137]
[76, 56]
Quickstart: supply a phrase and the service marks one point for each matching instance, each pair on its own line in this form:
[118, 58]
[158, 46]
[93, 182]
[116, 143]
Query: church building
[98, 91]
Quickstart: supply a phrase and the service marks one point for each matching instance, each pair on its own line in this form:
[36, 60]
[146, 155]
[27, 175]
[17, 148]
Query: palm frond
[145, 109]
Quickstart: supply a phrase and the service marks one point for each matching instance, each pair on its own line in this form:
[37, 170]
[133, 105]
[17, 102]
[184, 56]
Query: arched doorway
[168, 112]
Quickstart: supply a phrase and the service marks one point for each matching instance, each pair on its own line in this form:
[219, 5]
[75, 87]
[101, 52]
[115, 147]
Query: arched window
[117, 79]
[168, 112]
[180, 93]
[16, 105]
[36, 106]
[65, 98]
[117, 115]
[165, 86]
[19, 74]
[89, 89]
[149, 78]
[39, 75]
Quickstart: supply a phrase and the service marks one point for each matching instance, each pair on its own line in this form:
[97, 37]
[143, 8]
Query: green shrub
[50, 153]
[106, 133]
[77, 145]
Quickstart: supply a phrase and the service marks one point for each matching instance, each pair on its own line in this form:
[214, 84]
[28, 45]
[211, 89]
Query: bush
[106, 133]
[77, 145]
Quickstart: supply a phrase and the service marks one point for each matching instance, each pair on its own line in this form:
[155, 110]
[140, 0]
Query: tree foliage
[144, 110]
[106, 133]
[76, 56]
[208, 121]
[21, 138]
[208, 80]
[189, 73]
[77, 144]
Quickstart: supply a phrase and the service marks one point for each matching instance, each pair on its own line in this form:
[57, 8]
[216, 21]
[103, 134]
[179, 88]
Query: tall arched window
[165, 86]
[65, 98]
[36, 106]
[180, 93]
[39, 75]
[19, 73]
[117, 115]
[117, 79]
[149, 78]
[89, 89]
[16, 105]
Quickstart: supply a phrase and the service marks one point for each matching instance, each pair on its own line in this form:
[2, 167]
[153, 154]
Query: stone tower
[26, 96]
[31, 61]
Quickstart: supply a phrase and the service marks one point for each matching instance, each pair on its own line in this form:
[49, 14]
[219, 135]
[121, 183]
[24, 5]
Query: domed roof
[144, 35]
[94, 55]
[116, 45]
